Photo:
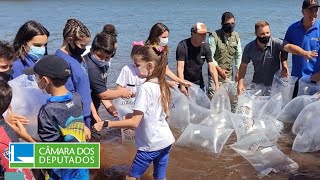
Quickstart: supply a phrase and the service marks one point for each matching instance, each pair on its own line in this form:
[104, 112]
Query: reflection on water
[187, 164]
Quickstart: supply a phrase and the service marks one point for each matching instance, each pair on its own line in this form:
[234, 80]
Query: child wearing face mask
[30, 44]
[153, 136]
[75, 38]
[129, 77]
[6, 58]
[61, 118]
[98, 62]
[159, 38]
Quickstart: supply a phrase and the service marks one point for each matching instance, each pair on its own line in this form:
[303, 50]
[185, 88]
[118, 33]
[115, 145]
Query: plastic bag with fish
[306, 87]
[309, 115]
[291, 111]
[246, 126]
[198, 113]
[179, 110]
[250, 103]
[283, 85]
[308, 138]
[259, 89]
[124, 106]
[277, 124]
[221, 120]
[231, 88]
[263, 155]
[220, 101]
[27, 100]
[204, 138]
[198, 96]
[272, 107]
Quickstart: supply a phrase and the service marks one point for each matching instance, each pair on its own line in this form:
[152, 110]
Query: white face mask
[101, 63]
[163, 41]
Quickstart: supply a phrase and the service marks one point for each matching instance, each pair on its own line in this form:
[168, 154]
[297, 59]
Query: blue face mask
[101, 63]
[36, 53]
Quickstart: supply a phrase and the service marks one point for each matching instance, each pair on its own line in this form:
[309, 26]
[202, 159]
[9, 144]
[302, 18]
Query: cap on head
[51, 66]
[199, 28]
[310, 4]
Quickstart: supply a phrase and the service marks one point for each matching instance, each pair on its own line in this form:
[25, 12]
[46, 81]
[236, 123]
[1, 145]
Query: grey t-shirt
[266, 61]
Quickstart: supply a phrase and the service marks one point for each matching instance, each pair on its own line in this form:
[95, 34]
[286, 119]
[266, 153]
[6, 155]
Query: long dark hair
[149, 53]
[155, 32]
[26, 32]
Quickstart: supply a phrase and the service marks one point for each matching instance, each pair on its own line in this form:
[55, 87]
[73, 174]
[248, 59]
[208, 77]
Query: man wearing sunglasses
[226, 51]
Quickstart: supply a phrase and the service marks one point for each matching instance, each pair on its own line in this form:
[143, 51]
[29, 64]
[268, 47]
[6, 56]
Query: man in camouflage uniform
[226, 51]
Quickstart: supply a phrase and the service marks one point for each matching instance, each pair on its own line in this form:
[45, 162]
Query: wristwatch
[106, 124]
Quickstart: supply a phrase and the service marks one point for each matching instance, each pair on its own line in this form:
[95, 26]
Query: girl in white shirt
[128, 77]
[153, 136]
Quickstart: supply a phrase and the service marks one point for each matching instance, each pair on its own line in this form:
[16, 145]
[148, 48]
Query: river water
[133, 20]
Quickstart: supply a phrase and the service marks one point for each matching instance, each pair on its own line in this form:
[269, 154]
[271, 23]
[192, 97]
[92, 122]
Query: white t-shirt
[153, 132]
[128, 78]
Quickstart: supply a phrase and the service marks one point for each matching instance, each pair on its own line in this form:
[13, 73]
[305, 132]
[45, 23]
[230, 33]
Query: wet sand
[188, 164]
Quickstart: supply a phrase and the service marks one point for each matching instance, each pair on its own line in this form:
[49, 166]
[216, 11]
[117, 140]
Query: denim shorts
[143, 159]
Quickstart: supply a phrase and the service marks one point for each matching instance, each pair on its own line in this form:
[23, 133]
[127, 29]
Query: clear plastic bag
[277, 124]
[250, 103]
[246, 126]
[285, 86]
[309, 115]
[220, 101]
[307, 140]
[263, 155]
[124, 106]
[306, 87]
[221, 120]
[204, 138]
[179, 110]
[198, 113]
[27, 100]
[291, 111]
[198, 96]
[272, 107]
[231, 88]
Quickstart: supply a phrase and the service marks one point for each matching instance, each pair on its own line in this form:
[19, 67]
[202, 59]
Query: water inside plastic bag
[206, 138]
[179, 110]
[264, 155]
[198, 113]
[306, 87]
[245, 126]
[124, 106]
[221, 120]
[291, 111]
[272, 107]
[220, 101]
[284, 85]
[198, 96]
[307, 116]
[250, 103]
[27, 100]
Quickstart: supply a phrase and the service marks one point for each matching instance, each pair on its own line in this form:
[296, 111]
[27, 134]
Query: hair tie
[158, 49]
[137, 43]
